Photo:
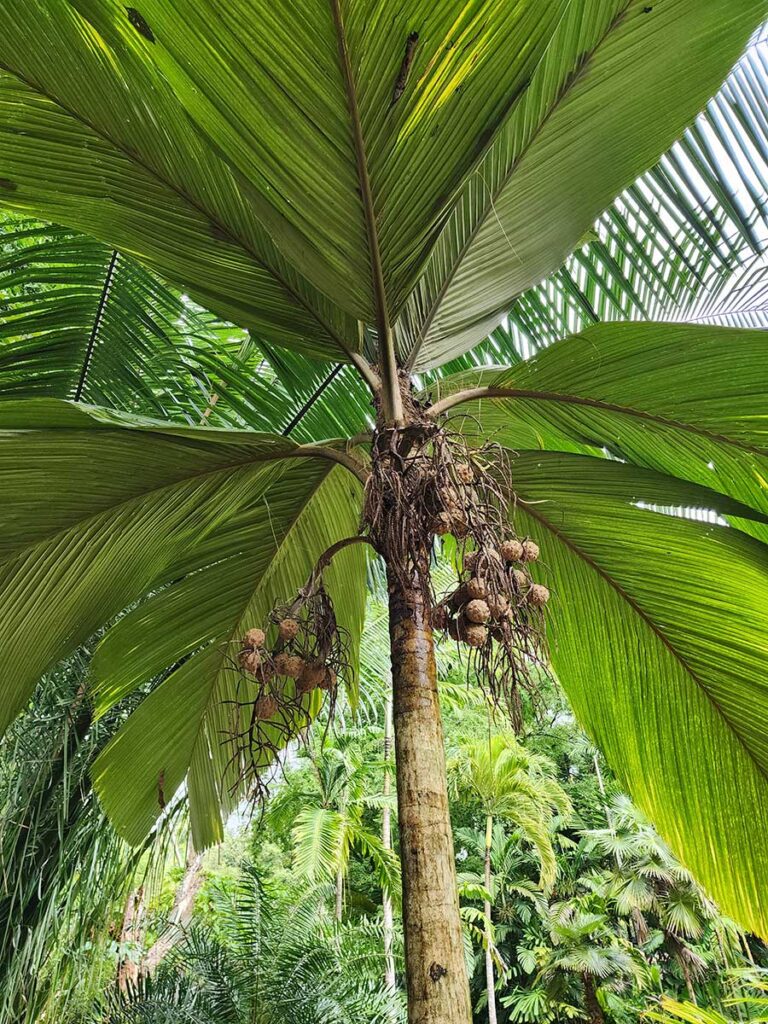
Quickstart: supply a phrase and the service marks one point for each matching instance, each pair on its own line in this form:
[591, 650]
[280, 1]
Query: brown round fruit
[530, 551]
[477, 589]
[511, 550]
[498, 606]
[265, 672]
[328, 682]
[311, 676]
[250, 661]
[522, 580]
[539, 594]
[288, 629]
[464, 472]
[474, 635]
[254, 638]
[477, 611]
[290, 665]
[265, 706]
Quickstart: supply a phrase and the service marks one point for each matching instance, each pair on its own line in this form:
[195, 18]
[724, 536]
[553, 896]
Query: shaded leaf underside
[259, 160]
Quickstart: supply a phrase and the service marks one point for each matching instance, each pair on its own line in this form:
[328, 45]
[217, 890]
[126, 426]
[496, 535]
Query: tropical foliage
[383, 201]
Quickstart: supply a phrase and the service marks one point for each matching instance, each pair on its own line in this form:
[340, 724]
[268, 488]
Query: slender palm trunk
[591, 1002]
[131, 932]
[490, 981]
[438, 990]
[688, 979]
[181, 915]
[386, 842]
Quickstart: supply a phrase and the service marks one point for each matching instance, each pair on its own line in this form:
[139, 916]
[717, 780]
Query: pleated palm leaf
[585, 948]
[374, 185]
[271, 957]
[323, 809]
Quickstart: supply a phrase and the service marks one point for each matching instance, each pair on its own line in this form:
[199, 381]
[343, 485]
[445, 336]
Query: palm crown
[375, 187]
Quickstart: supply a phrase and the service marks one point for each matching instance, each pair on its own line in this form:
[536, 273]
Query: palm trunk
[438, 990]
[591, 1002]
[386, 842]
[490, 981]
[181, 914]
[687, 977]
[131, 932]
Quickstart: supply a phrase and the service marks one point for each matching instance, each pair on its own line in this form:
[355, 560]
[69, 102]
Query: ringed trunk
[386, 841]
[436, 976]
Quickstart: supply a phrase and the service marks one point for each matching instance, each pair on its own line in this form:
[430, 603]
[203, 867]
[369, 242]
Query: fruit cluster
[494, 592]
[272, 668]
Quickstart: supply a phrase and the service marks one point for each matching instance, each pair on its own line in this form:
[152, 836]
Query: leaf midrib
[490, 207]
[214, 221]
[596, 403]
[657, 631]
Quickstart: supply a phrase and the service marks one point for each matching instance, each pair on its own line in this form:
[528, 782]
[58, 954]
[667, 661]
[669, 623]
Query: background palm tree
[324, 810]
[268, 957]
[514, 785]
[648, 881]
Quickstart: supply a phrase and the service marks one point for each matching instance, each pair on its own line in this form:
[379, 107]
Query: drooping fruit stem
[438, 990]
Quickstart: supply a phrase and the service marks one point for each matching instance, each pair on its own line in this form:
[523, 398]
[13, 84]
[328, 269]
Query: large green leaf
[297, 174]
[619, 82]
[658, 631]
[101, 509]
[684, 399]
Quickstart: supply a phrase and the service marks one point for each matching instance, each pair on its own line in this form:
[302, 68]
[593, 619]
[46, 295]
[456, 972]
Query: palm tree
[511, 783]
[271, 956]
[583, 945]
[325, 818]
[647, 880]
[373, 186]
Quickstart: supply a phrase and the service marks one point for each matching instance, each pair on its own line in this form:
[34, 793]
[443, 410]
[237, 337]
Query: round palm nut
[250, 661]
[539, 594]
[254, 638]
[464, 472]
[512, 551]
[310, 677]
[477, 589]
[290, 665]
[498, 606]
[265, 672]
[530, 551]
[477, 611]
[328, 682]
[288, 629]
[474, 635]
[265, 706]
[522, 580]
